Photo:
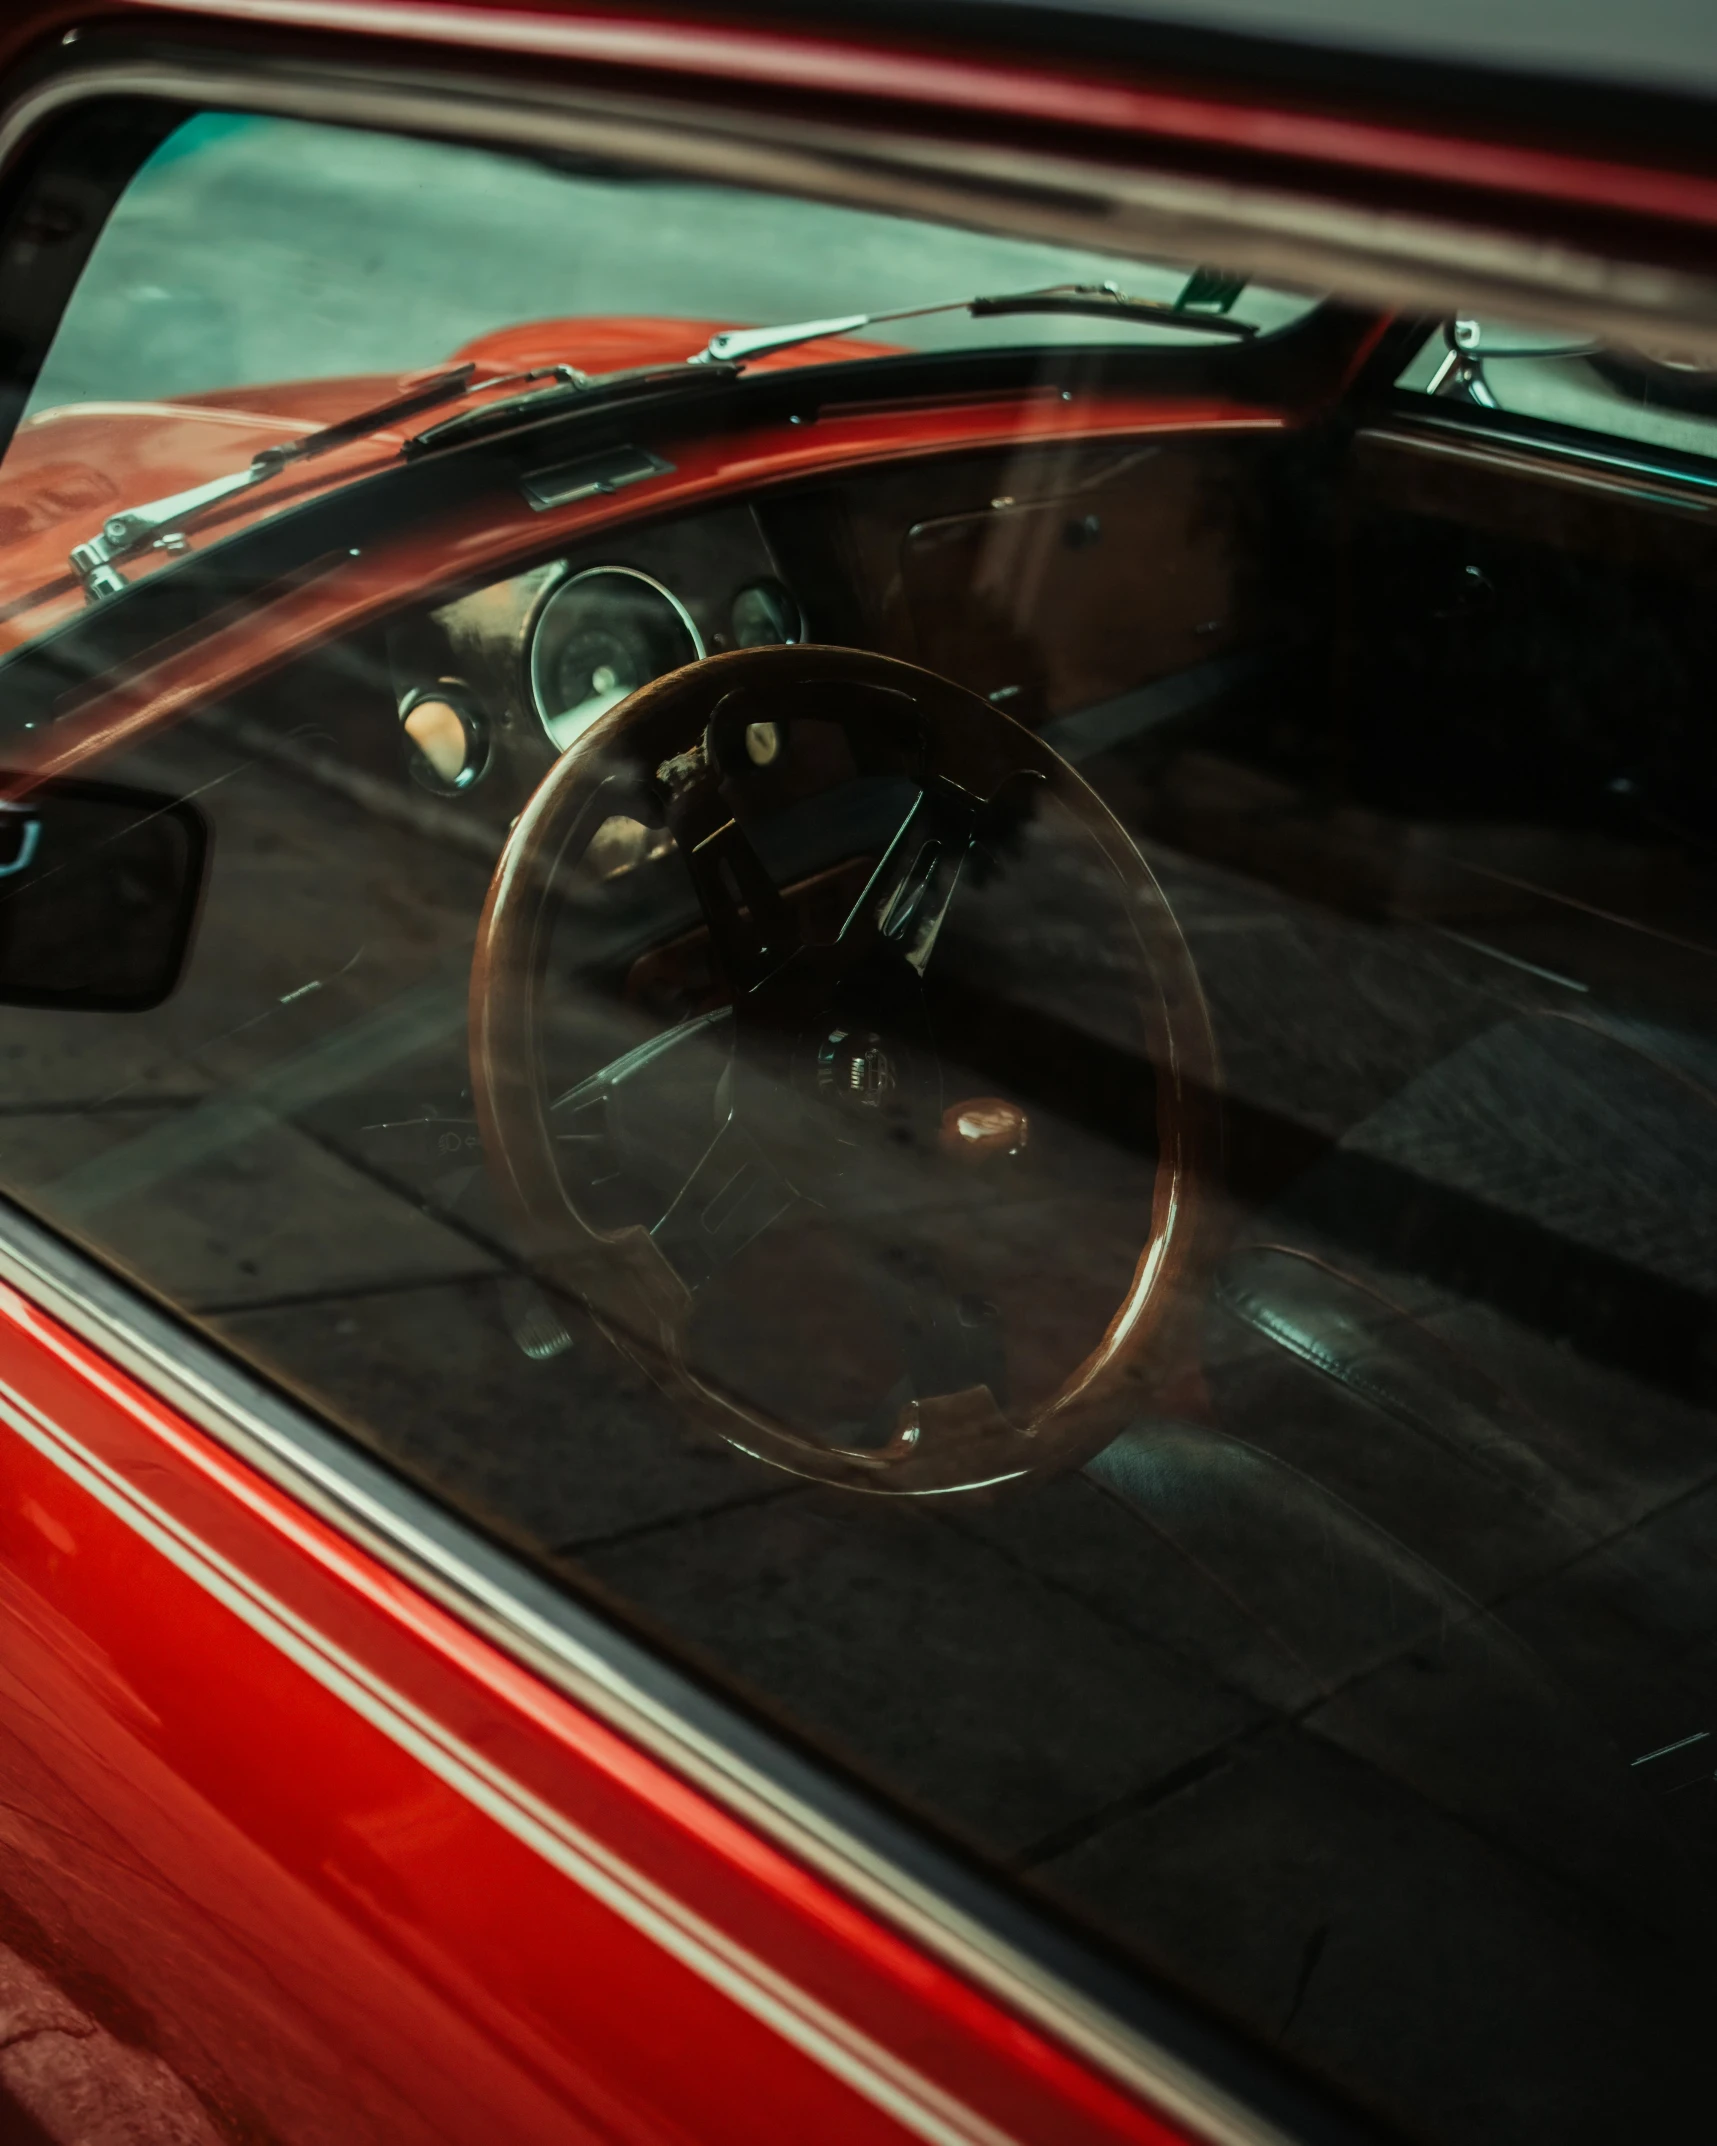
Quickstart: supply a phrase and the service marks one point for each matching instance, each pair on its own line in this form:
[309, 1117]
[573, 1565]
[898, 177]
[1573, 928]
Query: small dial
[600, 636]
[446, 737]
[765, 615]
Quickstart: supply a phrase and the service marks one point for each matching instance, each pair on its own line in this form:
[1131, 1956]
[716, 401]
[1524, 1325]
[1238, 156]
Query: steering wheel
[818, 1093]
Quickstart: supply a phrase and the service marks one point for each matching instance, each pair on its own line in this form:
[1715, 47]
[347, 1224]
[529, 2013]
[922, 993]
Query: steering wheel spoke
[731, 1197]
[750, 926]
[906, 898]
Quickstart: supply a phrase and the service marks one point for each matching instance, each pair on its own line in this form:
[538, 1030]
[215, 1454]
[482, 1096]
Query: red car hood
[69, 468]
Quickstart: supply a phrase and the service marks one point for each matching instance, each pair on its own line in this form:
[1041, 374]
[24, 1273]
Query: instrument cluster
[519, 670]
[604, 631]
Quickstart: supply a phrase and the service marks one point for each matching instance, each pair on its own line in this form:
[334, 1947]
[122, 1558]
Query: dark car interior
[1360, 1685]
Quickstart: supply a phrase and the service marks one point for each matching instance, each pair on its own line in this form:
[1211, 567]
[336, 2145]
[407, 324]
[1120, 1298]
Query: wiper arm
[1096, 301]
[157, 524]
[578, 391]
[724, 356]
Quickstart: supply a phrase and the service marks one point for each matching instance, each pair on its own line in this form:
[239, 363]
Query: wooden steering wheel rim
[635, 1295]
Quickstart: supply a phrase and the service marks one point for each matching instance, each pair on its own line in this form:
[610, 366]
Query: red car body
[367, 1853]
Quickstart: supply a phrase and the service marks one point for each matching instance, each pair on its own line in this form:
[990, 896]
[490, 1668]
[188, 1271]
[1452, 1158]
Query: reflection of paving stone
[49, 1061]
[316, 911]
[274, 1215]
[551, 1454]
[1629, 1629]
[941, 1665]
[1371, 1937]
[69, 2078]
[1612, 1435]
[1318, 1017]
[1076, 1537]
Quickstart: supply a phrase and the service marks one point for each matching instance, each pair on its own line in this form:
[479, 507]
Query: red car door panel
[389, 1885]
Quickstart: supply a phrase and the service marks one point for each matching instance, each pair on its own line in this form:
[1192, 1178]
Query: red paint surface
[68, 468]
[504, 533]
[310, 1925]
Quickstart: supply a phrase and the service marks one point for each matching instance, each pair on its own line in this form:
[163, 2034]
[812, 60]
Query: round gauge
[600, 636]
[448, 740]
[764, 615]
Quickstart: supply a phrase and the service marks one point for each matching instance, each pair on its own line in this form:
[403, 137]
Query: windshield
[252, 250]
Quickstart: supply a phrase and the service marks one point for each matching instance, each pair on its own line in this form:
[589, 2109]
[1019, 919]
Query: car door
[792, 1346]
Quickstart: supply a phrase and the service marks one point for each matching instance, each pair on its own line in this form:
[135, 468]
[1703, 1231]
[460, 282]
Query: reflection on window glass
[252, 250]
[1032, 1075]
[1665, 395]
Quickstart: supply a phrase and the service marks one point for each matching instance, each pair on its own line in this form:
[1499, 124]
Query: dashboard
[518, 671]
[1061, 583]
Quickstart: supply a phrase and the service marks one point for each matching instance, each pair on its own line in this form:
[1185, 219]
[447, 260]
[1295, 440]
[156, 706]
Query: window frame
[1151, 2041]
[1619, 457]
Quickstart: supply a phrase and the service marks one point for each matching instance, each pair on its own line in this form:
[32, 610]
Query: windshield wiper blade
[578, 392]
[157, 524]
[1097, 301]
[1102, 301]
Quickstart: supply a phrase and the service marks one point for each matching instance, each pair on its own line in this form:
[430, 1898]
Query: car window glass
[1665, 397]
[252, 249]
[1024, 1062]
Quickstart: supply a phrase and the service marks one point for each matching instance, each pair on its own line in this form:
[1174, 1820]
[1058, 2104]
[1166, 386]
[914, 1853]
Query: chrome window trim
[1515, 436]
[1382, 255]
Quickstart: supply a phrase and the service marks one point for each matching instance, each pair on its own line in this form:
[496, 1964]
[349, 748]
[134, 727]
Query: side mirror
[99, 889]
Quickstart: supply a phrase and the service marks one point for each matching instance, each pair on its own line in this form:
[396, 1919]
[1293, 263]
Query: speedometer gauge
[600, 636]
